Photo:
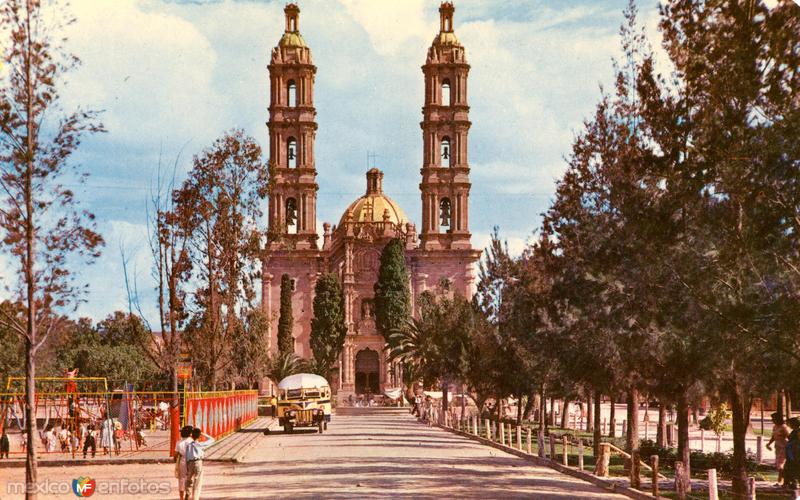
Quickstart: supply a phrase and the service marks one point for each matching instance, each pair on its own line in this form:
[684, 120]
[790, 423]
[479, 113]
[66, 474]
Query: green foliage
[328, 328]
[116, 349]
[285, 320]
[282, 365]
[392, 294]
[219, 206]
[436, 346]
[716, 419]
[250, 349]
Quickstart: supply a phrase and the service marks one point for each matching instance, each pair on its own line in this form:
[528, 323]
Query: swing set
[74, 402]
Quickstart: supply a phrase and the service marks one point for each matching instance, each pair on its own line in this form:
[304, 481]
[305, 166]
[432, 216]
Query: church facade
[438, 254]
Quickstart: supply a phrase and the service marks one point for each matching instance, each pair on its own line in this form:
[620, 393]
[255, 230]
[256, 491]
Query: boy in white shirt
[180, 459]
[195, 452]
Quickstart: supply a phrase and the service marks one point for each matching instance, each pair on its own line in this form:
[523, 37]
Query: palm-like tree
[283, 365]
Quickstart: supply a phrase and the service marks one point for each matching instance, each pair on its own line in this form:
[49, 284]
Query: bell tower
[445, 125]
[292, 129]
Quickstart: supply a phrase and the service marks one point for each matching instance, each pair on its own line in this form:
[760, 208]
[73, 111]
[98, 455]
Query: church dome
[292, 40]
[375, 206]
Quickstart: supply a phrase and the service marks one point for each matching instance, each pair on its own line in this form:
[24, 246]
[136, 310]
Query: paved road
[374, 455]
[388, 455]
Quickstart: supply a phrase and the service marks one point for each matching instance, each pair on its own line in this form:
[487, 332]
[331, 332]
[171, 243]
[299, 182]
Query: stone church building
[438, 251]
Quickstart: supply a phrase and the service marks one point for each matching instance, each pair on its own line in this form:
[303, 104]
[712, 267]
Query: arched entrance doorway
[367, 372]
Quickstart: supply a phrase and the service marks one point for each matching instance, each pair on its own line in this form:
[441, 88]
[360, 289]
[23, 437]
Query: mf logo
[83, 486]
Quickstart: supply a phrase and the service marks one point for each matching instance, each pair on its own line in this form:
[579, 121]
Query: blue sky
[171, 76]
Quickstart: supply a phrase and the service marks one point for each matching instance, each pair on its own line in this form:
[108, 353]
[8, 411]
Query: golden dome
[446, 38]
[292, 39]
[374, 206]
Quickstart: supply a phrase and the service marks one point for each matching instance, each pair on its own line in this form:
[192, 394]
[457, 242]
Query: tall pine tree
[285, 321]
[392, 293]
[328, 328]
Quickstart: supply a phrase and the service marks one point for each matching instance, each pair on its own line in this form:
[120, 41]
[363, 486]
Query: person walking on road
[791, 472]
[780, 436]
[195, 452]
[181, 471]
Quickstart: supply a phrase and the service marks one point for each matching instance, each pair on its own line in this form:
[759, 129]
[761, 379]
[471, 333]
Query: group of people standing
[189, 454]
[786, 438]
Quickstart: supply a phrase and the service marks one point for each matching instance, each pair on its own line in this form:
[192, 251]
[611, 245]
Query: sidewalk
[235, 446]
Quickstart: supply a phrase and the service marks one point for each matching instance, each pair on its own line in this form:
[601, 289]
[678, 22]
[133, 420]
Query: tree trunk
[612, 420]
[788, 400]
[740, 403]
[31, 469]
[780, 405]
[564, 413]
[597, 436]
[519, 410]
[683, 440]
[552, 419]
[444, 397]
[632, 438]
[661, 432]
[589, 413]
[529, 406]
[543, 410]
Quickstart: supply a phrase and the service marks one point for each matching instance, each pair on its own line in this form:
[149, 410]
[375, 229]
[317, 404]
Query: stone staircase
[373, 410]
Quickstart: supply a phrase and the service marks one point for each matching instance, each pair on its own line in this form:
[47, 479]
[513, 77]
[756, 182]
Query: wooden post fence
[488, 426]
[759, 451]
[552, 447]
[519, 438]
[502, 433]
[528, 441]
[654, 476]
[752, 487]
[580, 453]
[565, 450]
[713, 492]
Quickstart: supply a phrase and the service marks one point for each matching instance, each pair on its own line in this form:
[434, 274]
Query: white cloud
[516, 242]
[151, 72]
[391, 25]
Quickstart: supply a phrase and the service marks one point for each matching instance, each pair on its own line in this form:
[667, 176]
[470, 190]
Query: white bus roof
[302, 381]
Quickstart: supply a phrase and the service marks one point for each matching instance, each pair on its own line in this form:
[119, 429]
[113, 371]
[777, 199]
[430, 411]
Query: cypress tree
[328, 328]
[285, 321]
[392, 294]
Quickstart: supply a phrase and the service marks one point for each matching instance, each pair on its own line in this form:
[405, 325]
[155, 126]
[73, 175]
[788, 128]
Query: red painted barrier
[220, 413]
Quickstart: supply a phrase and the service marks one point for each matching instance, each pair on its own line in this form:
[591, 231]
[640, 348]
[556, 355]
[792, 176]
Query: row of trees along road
[669, 261]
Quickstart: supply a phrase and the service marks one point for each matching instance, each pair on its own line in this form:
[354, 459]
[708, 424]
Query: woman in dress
[780, 435]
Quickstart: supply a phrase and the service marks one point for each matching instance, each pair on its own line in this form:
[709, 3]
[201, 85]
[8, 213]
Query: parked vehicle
[304, 400]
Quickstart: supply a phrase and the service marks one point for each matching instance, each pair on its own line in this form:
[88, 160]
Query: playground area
[79, 418]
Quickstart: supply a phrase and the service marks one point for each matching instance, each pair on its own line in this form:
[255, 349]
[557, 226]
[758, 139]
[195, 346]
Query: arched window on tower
[291, 97]
[291, 216]
[445, 151]
[444, 214]
[291, 152]
[446, 92]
